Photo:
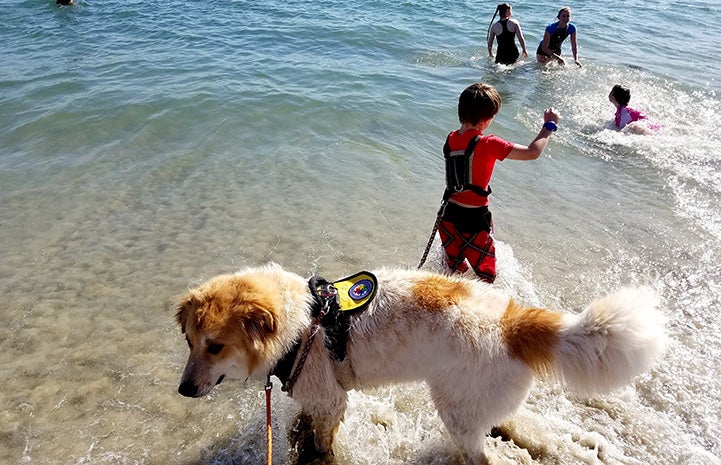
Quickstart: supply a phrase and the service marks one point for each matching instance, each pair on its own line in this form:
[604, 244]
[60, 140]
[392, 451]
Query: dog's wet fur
[477, 348]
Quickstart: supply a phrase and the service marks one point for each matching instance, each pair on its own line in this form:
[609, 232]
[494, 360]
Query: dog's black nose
[188, 389]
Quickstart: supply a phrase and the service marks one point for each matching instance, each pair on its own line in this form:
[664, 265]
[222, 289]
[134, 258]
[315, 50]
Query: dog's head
[228, 324]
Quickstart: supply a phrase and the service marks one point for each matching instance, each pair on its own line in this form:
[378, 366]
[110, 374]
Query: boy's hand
[551, 115]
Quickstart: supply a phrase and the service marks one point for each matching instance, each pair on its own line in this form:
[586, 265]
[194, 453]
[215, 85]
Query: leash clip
[442, 209]
[328, 293]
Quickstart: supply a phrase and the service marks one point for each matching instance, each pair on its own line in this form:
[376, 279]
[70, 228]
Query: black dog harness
[333, 306]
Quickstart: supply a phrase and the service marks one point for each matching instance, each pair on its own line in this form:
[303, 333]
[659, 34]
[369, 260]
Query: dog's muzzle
[189, 389]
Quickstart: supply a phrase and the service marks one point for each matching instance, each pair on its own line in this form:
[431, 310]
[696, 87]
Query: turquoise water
[146, 146]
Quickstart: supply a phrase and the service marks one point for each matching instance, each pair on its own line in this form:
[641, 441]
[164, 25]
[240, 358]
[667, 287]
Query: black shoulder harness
[327, 310]
[333, 312]
[458, 170]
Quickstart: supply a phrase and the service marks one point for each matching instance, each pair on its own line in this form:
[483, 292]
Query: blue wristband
[551, 126]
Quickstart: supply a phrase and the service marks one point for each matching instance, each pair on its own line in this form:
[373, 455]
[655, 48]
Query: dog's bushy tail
[614, 339]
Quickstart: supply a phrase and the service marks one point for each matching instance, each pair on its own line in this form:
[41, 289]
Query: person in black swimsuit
[505, 32]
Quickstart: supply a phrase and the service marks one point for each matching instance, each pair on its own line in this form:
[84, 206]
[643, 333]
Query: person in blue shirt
[556, 33]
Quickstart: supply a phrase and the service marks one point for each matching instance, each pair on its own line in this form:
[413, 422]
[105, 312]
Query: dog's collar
[283, 368]
[323, 294]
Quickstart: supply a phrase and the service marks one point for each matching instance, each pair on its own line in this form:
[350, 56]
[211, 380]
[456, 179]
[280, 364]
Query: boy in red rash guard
[466, 227]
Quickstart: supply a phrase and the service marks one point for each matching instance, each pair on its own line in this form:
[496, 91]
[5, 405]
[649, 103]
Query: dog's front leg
[326, 418]
[321, 396]
[324, 401]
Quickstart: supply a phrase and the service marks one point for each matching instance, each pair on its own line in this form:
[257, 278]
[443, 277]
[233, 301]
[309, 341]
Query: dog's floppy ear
[259, 322]
[187, 304]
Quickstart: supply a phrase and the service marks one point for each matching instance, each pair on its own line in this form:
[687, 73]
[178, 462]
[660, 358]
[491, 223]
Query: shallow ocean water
[147, 146]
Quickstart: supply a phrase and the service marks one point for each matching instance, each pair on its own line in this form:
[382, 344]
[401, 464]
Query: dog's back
[423, 325]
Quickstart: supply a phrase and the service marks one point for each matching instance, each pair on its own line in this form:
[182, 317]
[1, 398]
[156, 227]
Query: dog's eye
[215, 348]
[187, 339]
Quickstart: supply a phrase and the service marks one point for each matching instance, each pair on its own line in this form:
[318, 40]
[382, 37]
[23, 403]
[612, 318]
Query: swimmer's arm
[547, 49]
[521, 40]
[491, 36]
[574, 49]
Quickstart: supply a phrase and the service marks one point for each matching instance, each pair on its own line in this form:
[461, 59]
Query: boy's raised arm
[534, 150]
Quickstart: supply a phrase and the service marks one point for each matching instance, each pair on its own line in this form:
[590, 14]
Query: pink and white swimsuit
[625, 115]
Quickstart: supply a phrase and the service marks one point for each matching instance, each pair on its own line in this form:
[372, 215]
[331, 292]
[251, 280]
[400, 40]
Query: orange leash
[268, 424]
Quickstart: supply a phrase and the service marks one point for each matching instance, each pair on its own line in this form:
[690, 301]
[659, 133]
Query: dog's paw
[323, 445]
[304, 447]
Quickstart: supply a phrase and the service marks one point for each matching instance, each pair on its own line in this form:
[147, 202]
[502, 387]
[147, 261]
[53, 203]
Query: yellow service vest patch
[355, 292]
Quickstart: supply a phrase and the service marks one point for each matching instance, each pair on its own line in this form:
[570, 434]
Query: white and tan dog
[476, 348]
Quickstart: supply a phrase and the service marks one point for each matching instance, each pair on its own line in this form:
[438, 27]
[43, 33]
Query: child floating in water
[627, 118]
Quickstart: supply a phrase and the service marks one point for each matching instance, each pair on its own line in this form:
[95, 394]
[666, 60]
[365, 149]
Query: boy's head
[479, 102]
[621, 95]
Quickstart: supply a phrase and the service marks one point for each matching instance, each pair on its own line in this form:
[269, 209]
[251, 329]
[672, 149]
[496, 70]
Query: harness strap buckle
[328, 293]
